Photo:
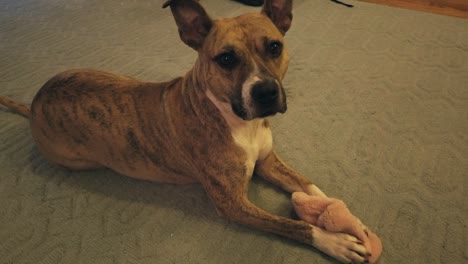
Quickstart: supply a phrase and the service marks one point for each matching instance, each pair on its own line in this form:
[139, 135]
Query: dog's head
[243, 59]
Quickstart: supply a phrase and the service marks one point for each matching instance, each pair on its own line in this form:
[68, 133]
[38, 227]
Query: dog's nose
[265, 91]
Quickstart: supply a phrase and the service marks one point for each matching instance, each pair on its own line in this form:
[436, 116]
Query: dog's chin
[259, 113]
[269, 112]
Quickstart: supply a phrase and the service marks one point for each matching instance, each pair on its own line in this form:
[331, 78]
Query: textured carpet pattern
[378, 116]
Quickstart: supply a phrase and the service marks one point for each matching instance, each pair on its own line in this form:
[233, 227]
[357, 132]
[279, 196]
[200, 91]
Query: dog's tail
[19, 108]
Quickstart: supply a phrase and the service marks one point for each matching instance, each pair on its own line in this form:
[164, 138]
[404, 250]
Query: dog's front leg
[276, 171]
[229, 194]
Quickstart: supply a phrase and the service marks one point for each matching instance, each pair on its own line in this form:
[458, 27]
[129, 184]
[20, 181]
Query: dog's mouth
[271, 108]
[273, 111]
[259, 111]
[239, 110]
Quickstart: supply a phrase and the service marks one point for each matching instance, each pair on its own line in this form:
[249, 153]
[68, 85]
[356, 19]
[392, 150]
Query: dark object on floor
[341, 3]
[251, 2]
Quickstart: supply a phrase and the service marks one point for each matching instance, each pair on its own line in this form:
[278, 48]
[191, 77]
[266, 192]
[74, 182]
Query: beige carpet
[378, 116]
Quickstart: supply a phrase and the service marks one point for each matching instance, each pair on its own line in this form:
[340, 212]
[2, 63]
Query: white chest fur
[254, 138]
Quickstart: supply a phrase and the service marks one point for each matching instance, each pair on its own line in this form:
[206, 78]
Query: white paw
[343, 247]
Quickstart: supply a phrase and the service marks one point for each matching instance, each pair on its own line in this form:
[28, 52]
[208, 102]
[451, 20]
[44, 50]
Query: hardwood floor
[457, 8]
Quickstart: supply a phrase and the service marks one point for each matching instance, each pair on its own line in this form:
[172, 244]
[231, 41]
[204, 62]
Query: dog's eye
[226, 60]
[275, 49]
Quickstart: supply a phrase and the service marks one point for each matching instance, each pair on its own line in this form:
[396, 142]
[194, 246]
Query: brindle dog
[207, 127]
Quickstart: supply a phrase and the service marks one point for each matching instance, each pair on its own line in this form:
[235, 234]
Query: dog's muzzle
[268, 97]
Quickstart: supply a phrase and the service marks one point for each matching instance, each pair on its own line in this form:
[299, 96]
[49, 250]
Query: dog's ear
[280, 12]
[192, 21]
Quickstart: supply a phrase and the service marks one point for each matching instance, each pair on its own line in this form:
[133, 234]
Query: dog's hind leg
[73, 163]
[62, 160]
[77, 164]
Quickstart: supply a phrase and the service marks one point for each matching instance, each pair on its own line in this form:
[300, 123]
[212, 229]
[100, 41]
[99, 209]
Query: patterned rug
[378, 116]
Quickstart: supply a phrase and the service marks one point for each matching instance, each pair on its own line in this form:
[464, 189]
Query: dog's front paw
[343, 247]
